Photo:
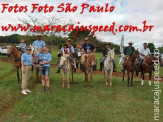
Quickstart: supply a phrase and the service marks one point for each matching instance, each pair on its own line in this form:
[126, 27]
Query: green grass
[78, 103]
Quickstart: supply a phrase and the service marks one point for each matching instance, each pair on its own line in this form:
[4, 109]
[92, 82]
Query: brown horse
[147, 67]
[130, 65]
[88, 61]
[12, 50]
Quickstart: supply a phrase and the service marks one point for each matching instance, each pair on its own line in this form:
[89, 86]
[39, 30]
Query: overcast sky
[130, 12]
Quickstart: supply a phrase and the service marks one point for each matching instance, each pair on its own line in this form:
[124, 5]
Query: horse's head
[136, 56]
[9, 50]
[111, 55]
[62, 61]
[93, 59]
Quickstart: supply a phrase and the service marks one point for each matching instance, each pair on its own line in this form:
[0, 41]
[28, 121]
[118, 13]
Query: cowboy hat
[86, 38]
[107, 43]
[69, 40]
[130, 42]
[39, 35]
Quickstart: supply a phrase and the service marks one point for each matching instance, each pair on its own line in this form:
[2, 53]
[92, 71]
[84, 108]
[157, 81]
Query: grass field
[100, 103]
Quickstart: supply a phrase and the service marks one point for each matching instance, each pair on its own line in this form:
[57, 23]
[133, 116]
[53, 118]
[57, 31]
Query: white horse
[66, 67]
[108, 66]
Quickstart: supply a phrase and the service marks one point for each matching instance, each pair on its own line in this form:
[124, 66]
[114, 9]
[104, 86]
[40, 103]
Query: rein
[147, 64]
[17, 60]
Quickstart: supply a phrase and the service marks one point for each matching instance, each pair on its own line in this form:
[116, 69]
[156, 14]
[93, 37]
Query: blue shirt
[46, 57]
[40, 56]
[38, 44]
[27, 58]
[88, 47]
[23, 46]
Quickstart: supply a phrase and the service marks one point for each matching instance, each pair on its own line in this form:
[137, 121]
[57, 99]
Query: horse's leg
[132, 74]
[68, 79]
[105, 76]
[137, 76]
[111, 78]
[86, 78]
[123, 73]
[63, 79]
[18, 74]
[128, 73]
[150, 75]
[72, 75]
[142, 82]
[91, 78]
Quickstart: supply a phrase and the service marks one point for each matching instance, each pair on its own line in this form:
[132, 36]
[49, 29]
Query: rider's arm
[83, 49]
[94, 50]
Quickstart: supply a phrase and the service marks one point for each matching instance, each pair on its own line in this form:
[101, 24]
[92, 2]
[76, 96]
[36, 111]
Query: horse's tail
[84, 58]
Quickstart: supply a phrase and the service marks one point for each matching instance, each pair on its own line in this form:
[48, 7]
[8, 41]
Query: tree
[80, 36]
[151, 47]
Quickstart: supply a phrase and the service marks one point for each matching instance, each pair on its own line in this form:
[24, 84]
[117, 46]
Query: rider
[88, 47]
[105, 52]
[22, 45]
[144, 53]
[127, 52]
[71, 51]
[39, 43]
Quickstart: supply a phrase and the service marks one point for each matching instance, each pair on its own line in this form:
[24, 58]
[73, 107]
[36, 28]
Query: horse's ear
[113, 49]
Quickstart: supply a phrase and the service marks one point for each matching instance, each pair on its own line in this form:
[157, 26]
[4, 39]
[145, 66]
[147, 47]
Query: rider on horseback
[69, 50]
[88, 47]
[144, 53]
[39, 43]
[22, 45]
[127, 53]
[105, 52]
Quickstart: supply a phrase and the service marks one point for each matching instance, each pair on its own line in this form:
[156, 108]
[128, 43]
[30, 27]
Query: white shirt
[144, 52]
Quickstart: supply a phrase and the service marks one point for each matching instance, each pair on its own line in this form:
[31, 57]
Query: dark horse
[147, 67]
[130, 65]
[13, 50]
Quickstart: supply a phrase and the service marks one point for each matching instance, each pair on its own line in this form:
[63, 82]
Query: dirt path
[14, 96]
[116, 74]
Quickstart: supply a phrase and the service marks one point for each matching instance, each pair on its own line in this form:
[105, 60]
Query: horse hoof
[91, 86]
[68, 87]
[110, 85]
[63, 86]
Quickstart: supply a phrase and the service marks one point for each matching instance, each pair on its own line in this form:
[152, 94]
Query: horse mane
[83, 58]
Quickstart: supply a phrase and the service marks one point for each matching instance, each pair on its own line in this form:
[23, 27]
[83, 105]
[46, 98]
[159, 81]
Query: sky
[126, 12]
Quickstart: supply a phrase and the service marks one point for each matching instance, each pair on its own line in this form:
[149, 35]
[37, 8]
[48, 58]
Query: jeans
[72, 60]
[45, 71]
[140, 62]
[103, 59]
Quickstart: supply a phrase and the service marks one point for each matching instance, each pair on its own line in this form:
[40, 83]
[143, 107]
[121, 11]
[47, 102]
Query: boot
[114, 68]
[101, 66]
[48, 89]
[58, 71]
[75, 70]
[123, 67]
[43, 89]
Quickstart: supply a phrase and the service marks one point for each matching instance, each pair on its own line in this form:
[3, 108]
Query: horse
[66, 67]
[147, 67]
[88, 61]
[108, 66]
[12, 50]
[130, 65]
